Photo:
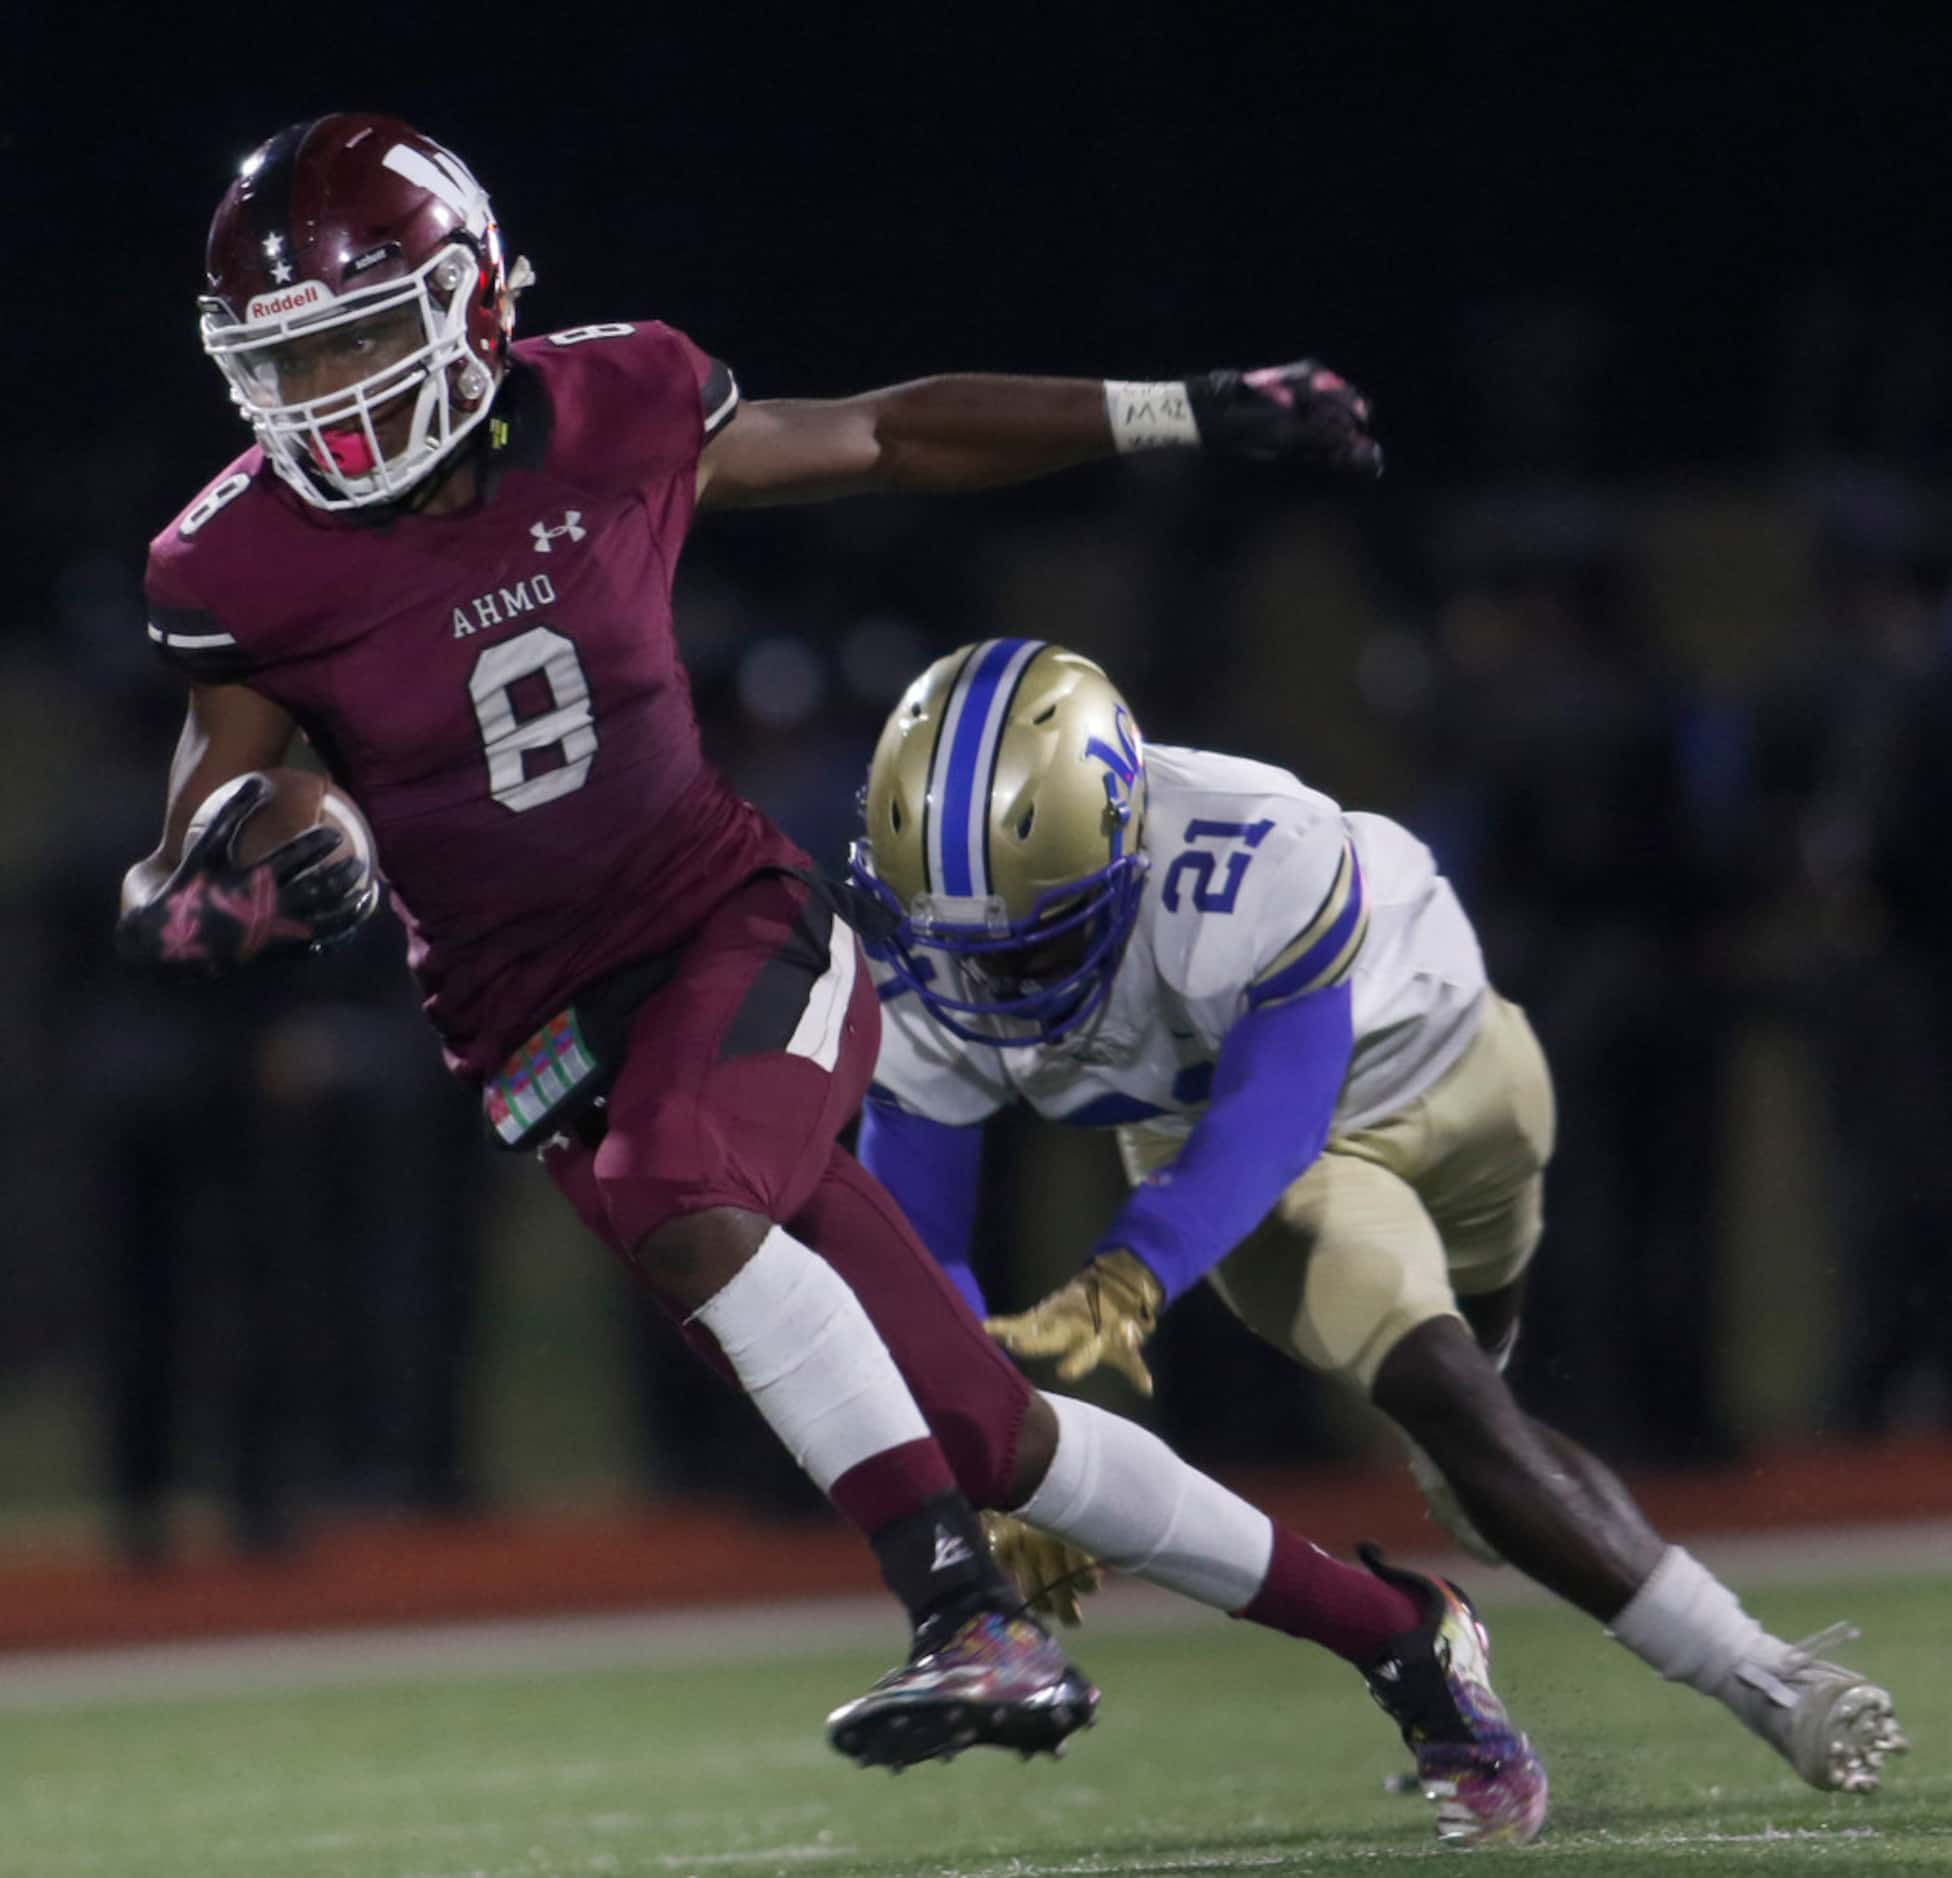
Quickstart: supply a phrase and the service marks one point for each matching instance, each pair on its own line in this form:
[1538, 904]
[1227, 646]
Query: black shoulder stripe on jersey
[195, 642]
[719, 397]
[225, 667]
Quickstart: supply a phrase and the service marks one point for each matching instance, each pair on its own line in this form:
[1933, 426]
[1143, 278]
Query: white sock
[815, 1366]
[1125, 1497]
[1687, 1624]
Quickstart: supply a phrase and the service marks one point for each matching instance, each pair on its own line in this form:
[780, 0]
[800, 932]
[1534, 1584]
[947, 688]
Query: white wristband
[1150, 417]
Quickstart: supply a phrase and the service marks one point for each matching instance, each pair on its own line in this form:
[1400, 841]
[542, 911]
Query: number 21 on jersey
[1195, 865]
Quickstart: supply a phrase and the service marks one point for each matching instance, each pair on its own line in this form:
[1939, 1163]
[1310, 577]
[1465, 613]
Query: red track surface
[396, 1571]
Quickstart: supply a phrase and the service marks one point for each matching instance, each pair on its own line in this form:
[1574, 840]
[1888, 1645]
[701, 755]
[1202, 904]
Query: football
[299, 799]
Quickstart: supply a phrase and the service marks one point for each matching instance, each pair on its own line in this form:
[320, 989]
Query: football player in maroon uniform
[447, 561]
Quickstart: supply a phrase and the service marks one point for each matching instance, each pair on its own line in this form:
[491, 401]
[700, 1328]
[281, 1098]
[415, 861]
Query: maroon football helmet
[358, 305]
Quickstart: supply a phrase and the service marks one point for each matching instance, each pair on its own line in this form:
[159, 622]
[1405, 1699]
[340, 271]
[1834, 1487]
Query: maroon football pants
[740, 1075]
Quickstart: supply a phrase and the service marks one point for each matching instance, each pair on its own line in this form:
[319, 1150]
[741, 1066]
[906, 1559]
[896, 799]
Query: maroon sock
[926, 1536]
[892, 1484]
[1343, 1608]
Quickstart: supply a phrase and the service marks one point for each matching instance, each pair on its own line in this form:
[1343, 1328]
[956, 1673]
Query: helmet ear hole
[894, 816]
[1045, 715]
[1023, 826]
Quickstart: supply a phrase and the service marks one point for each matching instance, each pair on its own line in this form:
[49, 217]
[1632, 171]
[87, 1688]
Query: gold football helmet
[1004, 808]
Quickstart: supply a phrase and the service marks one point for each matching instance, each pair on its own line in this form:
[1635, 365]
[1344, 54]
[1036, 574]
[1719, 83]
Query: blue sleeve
[1274, 1093]
[931, 1170]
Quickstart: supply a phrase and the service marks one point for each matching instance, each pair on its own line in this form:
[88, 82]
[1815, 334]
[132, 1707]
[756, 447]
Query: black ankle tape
[936, 1559]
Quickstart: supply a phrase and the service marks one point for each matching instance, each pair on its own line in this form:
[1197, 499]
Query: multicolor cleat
[988, 1680]
[1832, 1725]
[1434, 1682]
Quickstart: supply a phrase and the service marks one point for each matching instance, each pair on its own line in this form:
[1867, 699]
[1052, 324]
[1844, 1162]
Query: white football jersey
[1250, 871]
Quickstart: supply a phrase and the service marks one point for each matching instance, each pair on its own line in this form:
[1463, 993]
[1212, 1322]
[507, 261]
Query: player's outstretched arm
[1274, 1093]
[191, 904]
[978, 431]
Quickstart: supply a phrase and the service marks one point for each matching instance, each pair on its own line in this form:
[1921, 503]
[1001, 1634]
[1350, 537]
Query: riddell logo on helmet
[273, 306]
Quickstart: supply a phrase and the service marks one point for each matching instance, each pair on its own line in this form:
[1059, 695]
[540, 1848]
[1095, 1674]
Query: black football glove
[214, 912]
[1302, 411]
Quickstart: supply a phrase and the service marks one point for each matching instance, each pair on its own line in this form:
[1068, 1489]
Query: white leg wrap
[805, 1352]
[1125, 1497]
[1687, 1624]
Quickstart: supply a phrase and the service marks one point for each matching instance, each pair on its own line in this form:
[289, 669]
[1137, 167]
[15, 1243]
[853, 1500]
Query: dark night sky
[880, 192]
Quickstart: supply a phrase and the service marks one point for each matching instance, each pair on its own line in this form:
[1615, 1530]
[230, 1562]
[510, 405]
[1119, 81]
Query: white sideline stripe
[1557, 1844]
[34, 1682]
[817, 1035]
[760, 1855]
[312, 1845]
[773, 1855]
[190, 642]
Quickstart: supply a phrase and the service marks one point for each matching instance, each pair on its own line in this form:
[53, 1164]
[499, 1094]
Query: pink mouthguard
[351, 454]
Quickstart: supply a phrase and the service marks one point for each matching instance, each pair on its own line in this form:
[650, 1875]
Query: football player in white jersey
[1325, 1110]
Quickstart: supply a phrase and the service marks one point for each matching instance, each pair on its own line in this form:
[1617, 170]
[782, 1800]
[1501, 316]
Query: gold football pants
[1395, 1221]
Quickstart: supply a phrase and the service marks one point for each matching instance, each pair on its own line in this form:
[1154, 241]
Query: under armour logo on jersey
[950, 1550]
[572, 526]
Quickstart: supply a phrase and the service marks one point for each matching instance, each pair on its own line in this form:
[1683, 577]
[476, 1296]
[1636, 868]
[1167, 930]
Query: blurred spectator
[282, 1198]
[283, 1194]
[1853, 743]
[371, 1175]
[1561, 741]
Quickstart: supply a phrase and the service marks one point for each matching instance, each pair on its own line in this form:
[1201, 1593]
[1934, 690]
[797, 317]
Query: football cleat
[1434, 1682]
[1833, 1726]
[991, 1679]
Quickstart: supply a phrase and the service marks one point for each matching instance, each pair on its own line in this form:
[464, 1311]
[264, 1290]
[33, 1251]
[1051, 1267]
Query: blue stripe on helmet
[962, 783]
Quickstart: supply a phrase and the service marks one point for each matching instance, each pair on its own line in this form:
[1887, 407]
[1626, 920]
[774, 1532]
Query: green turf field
[1220, 1749]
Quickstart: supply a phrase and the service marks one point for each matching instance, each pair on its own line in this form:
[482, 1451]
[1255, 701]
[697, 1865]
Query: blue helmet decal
[1122, 767]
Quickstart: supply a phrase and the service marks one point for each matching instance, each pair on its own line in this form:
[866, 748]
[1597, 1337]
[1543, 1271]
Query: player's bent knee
[1410, 1317]
[1036, 1448]
[1440, 1387]
[993, 1441]
[985, 1417]
[688, 1260]
[976, 1402]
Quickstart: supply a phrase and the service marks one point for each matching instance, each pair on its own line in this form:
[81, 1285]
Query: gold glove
[1104, 1315]
[1050, 1574]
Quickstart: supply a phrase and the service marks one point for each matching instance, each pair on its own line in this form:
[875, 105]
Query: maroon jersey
[498, 689]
